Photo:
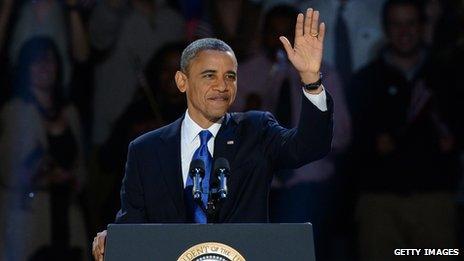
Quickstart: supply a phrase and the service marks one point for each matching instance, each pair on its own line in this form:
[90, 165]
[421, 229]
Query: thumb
[287, 46]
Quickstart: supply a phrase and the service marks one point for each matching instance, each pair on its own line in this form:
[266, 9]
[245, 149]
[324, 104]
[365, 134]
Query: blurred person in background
[63, 21]
[126, 34]
[42, 163]
[195, 14]
[445, 37]
[406, 156]
[237, 23]
[156, 103]
[443, 23]
[354, 38]
[59, 20]
[160, 85]
[7, 9]
[268, 82]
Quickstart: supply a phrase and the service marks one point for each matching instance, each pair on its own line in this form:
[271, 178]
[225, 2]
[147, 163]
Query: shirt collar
[192, 129]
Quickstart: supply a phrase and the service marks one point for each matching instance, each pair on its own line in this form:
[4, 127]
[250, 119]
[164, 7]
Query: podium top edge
[212, 224]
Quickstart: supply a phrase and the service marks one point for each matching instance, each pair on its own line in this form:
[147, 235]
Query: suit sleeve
[309, 141]
[132, 195]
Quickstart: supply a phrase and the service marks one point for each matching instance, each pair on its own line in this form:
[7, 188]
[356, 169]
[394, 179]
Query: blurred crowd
[79, 79]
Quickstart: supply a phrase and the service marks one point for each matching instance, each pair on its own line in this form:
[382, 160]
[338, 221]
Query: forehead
[214, 60]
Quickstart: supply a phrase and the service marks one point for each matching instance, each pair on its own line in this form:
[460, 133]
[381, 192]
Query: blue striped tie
[202, 153]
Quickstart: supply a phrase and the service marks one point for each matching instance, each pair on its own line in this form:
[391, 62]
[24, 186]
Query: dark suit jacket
[152, 189]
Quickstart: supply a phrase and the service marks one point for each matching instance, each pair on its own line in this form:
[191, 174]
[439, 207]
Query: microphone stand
[218, 189]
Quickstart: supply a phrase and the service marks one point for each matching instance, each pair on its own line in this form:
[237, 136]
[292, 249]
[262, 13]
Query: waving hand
[306, 53]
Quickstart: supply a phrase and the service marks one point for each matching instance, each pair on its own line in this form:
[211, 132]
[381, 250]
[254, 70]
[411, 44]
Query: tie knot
[205, 135]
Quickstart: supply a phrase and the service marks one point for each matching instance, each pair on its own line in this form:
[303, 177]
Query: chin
[216, 115]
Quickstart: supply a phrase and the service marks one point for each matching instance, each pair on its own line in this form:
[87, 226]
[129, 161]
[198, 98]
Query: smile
[219, 98]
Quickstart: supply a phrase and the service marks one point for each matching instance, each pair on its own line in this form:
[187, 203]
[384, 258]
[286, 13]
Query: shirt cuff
[319, 100]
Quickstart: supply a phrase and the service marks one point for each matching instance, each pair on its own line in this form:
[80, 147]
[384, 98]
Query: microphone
[197, 173]
[222, 170]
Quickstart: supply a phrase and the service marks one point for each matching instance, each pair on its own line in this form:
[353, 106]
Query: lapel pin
[230, 142]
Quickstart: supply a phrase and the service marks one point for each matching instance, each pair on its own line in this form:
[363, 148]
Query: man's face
[210, 84]
[404, 29]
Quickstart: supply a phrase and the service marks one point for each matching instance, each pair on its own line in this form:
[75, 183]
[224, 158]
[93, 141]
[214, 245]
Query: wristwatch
[313, 86]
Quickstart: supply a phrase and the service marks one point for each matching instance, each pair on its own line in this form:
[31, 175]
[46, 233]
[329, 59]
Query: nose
[222, 85]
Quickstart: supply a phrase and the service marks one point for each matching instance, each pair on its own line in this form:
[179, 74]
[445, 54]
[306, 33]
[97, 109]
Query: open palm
[306, 54]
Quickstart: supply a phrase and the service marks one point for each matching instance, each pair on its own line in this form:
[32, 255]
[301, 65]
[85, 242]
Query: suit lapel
[171, 164]
[226, 142]
[225, 145]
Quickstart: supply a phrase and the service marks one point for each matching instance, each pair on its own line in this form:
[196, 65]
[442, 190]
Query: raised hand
[306, 54]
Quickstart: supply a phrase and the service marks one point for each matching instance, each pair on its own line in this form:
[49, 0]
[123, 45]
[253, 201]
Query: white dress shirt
[190, 140]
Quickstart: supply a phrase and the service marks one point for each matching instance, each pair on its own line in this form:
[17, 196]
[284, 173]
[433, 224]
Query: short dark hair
[192, 50]
[390, 3]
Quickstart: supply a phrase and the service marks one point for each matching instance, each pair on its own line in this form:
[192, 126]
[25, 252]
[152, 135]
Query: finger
[94, 249]
[95, 244]
[299, 25]
[321, 35]
[97, 256]
[307, 22]
[101, 244]
[315, 23]
[287, 46]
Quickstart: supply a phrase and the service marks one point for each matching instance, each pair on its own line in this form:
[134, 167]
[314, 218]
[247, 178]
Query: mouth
[219, 98]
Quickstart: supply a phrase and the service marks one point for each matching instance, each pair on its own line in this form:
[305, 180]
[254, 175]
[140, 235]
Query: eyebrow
[208, 71]
[214, 71]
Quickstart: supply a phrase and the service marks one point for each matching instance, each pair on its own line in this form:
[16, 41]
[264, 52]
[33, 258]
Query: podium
[208, 242]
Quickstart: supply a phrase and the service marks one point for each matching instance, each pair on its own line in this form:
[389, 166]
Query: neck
[202, 121]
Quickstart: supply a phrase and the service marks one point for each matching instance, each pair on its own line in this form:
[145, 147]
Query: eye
[231, 77]
[208, 76]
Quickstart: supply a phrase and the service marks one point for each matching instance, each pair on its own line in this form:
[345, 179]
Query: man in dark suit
[155, 188]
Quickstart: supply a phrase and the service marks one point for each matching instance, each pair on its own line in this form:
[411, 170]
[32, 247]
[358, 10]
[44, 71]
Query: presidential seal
[211, 251]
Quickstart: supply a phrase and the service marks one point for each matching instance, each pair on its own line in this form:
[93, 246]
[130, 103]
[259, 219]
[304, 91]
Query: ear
[181, 81]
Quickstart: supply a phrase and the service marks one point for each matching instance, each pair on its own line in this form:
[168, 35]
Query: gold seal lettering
[211, 249]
